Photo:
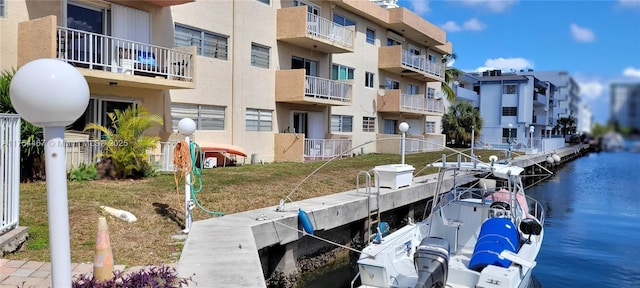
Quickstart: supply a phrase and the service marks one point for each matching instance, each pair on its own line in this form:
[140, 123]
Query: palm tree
[457, 123]
[566, 125]
[126, 145]
[450, 74]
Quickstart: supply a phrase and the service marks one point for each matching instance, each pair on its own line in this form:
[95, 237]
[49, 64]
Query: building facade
[282, 80]
[516, 109]
[625, 105]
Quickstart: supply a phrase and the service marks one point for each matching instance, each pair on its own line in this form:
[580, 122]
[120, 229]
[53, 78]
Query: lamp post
[52, 94]
[509, 141]
[404, 127]
[473, 138]
[531, 130]
[186, 127]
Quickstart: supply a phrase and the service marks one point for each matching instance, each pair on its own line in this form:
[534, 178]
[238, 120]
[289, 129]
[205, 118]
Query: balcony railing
[420, 103]
[96, 51]
[327, 89]
[326, 148]
[419, 62]
[326, 29]
[87, 152]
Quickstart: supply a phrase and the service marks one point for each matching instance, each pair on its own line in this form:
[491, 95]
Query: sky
[596, 41]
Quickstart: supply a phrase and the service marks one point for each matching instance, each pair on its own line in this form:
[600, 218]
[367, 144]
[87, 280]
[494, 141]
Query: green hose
[196, 172]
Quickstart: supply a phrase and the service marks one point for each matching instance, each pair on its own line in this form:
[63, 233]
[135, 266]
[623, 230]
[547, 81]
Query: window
[371, 36]
[207, 117]
[505, 132]
[393, 42]
[431, 93]
[341, 123]
[3, 8]
[509, 111]
[259, 55]
[259, 120]
[368, 79]
[510, 89]
[392, 84]
[430, 127]
[339, 72]
[368, 124]
[268, 2]
[412, 89]
[342, 20]
[209, 44]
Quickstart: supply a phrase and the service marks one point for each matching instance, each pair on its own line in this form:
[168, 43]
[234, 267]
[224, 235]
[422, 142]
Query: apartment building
[282, 80]
[625, 105]
[510, 104]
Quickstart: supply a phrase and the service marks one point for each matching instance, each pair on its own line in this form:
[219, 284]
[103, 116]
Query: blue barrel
[305, 222]
[496, 235]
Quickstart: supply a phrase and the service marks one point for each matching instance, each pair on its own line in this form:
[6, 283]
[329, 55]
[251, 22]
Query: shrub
[126, 146]
[83, 172]
[151, 276]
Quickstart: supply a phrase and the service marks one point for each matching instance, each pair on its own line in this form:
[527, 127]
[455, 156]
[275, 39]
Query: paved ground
[33, 274]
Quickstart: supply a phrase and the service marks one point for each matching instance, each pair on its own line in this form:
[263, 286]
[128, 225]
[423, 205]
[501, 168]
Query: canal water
[592, 231]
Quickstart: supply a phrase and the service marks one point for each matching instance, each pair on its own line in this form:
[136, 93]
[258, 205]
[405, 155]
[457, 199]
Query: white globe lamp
[52, 94]
[404, 127]
[186, 126]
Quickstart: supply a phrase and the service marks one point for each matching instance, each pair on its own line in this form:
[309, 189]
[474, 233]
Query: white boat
[474, 237]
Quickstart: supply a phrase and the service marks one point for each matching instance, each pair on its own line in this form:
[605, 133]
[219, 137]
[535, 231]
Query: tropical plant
[457, 123]
[566, 125]
[32, 148]
[450, 75]
[84, 172]
[152, 276]
[125, 144]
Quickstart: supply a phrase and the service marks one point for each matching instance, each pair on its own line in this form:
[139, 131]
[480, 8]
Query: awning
[220, 147]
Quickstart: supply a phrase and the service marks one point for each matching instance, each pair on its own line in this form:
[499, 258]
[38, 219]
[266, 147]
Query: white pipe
[187, 192]
[402, 149]
[55, 168]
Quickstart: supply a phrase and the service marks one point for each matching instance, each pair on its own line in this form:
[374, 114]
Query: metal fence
[9, 171]
[88, 151]
[325, 148]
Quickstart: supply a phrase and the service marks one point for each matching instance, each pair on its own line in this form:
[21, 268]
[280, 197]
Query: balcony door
[310, 67]
[85, 49]
[97, 112]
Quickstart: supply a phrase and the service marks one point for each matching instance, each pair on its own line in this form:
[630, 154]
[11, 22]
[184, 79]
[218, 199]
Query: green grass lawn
[158, 205]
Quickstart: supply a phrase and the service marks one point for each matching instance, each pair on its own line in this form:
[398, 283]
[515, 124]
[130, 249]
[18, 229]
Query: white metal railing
[326, 148]
[326, 29]
[419, 62]
[420, 103]
[9, 172]
[96, 51]
[418, 145]
[87, 151]
[521, 144]
[328, 89]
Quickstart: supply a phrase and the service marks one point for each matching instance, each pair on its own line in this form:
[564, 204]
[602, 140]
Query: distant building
[585, 119]
[625, 105]
[510, 104]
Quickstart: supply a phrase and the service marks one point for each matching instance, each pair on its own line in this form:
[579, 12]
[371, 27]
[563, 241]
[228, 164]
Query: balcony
[467, 95]
[539, 99]
[108, 60]
[166, 3]
[301, 28]
[293, 86]
[400, 61]
[396, 102]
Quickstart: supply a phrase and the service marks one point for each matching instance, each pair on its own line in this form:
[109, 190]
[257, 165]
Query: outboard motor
[432, 262]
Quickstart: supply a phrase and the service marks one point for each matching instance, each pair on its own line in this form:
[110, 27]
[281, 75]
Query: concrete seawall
[225, 251]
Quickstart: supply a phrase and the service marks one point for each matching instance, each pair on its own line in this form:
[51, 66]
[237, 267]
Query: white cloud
[420, 7]
[591, 90]
[492, 5]
[582, 34]
[629, 3]
[631, 72]
[506, 64]
[451, 26]
[472, 24]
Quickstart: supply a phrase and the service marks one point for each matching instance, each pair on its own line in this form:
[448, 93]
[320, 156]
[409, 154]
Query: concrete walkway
[33, 274]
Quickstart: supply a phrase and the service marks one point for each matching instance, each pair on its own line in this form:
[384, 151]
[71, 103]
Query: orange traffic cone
[103, 259]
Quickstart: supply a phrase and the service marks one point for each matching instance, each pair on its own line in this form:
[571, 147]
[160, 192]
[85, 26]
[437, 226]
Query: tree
[126, 146]
[566, 125]
[31, 143]
[457, 123]
[450, 74]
